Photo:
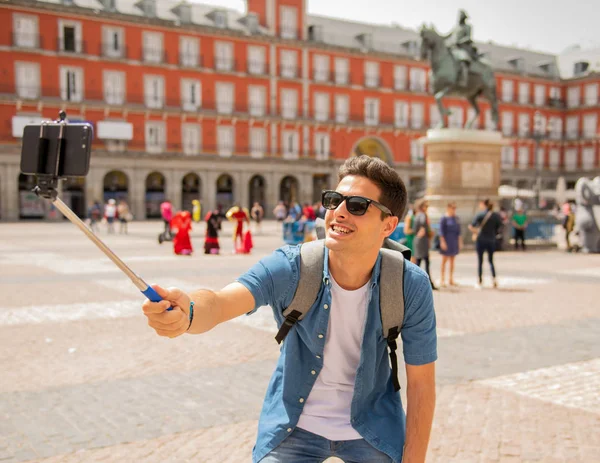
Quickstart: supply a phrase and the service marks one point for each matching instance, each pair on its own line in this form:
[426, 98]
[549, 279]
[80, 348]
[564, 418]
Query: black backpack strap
[391, 303]
[312, 260]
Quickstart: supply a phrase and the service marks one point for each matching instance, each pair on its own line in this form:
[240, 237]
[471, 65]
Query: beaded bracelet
[191, 317]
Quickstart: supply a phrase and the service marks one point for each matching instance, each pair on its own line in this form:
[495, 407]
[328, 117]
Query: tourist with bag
[485, 227]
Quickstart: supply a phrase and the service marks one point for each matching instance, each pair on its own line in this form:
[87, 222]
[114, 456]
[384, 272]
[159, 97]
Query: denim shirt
[376, 411]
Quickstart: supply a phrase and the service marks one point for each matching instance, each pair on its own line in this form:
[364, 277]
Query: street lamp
[539, 133]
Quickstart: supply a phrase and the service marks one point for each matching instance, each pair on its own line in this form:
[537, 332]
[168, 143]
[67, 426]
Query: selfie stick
[46, 188]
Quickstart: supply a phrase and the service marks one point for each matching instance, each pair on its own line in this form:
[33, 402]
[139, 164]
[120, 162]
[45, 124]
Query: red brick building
[193, 101]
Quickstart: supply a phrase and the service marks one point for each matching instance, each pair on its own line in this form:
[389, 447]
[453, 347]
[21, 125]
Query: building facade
[189, 101]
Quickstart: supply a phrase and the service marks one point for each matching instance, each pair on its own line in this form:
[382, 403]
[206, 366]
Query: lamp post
[539, 133]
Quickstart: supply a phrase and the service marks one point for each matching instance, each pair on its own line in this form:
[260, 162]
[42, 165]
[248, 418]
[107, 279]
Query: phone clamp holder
[47, 184]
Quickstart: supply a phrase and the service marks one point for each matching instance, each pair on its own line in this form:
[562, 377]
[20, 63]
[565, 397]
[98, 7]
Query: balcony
[224, 64]
[190, 60]
[372, 81]
[257, 68]
[22, 40]
[321, 76]
[256, 110]
[153, 55]
[557, 103]
[108, 50]
[289, 33]
[26, 92]
[341, 78]
[288, 72]
[70, 45]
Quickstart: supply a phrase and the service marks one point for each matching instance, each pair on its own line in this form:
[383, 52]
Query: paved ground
[83, 379]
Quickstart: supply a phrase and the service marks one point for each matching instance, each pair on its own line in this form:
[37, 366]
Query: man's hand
[170, 323]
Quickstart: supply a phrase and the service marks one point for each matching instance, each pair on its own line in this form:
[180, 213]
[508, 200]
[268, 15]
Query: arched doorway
[256, 188]
[155, 194]
[225, 191]
[116, 186]
[31, 206]
[190, 190]
[288, 190]
[73, 195]
[374, 147]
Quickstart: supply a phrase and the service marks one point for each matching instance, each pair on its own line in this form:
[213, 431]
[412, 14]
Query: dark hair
[393, 191]
[488, 204]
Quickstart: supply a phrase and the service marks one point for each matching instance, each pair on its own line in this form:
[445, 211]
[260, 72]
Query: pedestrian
[166, 212]
[182, 244]
[124, 216]
[333, 392]
[423, 234]
[485, 228]
[213, 225]
[95, 215]
[519, 223]
[280, 212]
[238, 215]
[451, 242]
[110, 215]
[196, 210]
[409, 233]
[257, 212]
[569, 225]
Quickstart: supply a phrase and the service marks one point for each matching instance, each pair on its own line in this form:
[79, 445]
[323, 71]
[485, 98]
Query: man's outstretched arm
[420, 394]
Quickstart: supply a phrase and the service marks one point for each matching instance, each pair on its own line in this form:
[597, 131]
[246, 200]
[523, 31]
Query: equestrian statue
[458, 69]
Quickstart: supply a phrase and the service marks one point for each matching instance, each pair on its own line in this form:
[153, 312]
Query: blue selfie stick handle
[153, 295]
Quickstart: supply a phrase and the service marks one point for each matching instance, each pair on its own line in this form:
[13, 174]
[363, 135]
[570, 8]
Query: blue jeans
[305, 447]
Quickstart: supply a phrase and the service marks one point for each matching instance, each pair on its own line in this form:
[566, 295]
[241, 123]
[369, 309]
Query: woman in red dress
[182, 245]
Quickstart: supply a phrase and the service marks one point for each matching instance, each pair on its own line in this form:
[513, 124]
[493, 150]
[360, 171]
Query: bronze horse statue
[445, 74]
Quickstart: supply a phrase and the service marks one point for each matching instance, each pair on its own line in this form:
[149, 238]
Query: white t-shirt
[327, 409]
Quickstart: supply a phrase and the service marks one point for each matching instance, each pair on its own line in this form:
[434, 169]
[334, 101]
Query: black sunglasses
[356, 205]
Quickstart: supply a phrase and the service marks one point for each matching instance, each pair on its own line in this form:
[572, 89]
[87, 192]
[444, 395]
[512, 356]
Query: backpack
[391, 294]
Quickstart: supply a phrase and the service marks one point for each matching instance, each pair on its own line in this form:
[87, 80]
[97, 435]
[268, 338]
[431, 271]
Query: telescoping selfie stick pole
[46, 188]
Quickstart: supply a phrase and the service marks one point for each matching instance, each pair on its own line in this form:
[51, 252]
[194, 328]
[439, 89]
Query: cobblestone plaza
[84, 379]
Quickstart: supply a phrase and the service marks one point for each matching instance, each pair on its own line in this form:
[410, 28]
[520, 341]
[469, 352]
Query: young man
[332, 392]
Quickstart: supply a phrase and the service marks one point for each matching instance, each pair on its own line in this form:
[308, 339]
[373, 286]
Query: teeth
[340, 230]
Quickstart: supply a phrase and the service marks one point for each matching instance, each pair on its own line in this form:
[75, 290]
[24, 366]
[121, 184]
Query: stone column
[137, 192]
[10, 192]
[210, 189]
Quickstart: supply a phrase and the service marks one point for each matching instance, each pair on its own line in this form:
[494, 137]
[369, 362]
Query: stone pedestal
[462, 166]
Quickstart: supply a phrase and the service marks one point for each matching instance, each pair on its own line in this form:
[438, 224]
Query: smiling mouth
[341, 230]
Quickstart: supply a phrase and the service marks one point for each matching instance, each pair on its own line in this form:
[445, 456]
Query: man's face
[347, 232]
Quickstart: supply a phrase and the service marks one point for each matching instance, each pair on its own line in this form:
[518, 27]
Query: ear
[390, 224]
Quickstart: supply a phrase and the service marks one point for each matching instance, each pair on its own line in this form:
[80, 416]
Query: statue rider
[461, 44]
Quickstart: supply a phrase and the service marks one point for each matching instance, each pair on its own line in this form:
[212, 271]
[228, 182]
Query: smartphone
[40, 148]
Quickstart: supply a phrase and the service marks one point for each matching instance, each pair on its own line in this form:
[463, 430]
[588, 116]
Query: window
[290, 142]
[524, 93]
[191, 92]
[590, 125]
[587, 158]
[342, 71]
[399, 77]
[189, 52]
[489, 123]
[112, 42]
[508, 157]
[523, 125]
[416, 115]
[256, 60]
[154, 91]
[321, 68]
[152, 47]
[554, 158]
[27, 80]
[417, 80]
[371, 74]
[289, 22]
[571, 159]
[470, 115]
[288, 64]
[554, 93]
[523, 157]
[371, 111]
[572, 127]
[258, 142]
[220, 19]
[540, 95]
[555, 128]
[191, 138]
[417, 153]
[256, 100]
[155, 136]
[71, 84]
[434, 116]
[321, 107]
[591, 94]
[25, 29]
[341, 108]
[507, 123]
[289, 103]
[114, 87]
[226, 140]
[401, 114]
[573, 97]
[539, 157]
[224, 56]
[507, 91]
[69, 36]
[224, 98]
[321, 146]
[455, 119]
